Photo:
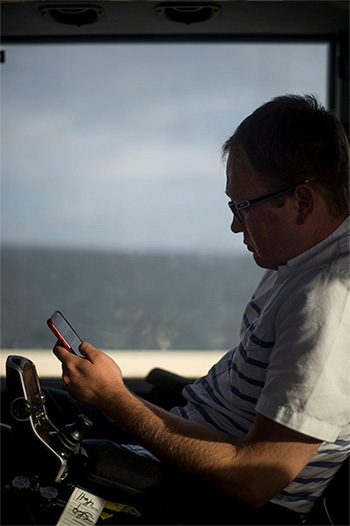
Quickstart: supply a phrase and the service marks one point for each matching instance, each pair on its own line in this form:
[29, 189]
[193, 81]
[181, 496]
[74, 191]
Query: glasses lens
[237, 215]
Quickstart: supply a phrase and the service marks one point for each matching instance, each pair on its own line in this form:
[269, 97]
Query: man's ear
[305, 202]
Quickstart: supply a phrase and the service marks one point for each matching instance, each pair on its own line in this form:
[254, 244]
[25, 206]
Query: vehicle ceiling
[153, 20]
[73, 21]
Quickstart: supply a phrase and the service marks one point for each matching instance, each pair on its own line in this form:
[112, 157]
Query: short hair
[293, 137]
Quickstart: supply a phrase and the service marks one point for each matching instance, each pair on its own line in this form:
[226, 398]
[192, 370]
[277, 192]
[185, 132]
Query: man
[276, 408]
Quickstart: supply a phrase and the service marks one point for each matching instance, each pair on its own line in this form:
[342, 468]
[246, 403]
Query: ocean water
[125, 300]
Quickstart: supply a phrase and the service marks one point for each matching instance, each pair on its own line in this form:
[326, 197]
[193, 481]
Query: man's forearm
[194, 447]
[214, 456]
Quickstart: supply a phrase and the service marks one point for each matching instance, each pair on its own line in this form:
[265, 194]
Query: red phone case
[58, 334]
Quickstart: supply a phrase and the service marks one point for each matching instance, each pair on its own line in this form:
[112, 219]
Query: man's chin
[262, 263]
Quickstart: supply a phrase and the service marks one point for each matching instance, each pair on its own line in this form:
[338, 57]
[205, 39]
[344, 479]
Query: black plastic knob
[21, 409]
[68, 439]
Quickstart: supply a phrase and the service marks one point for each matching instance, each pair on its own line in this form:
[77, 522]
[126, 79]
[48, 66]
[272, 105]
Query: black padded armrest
[115, 473]
[166, 388]
[166, 379]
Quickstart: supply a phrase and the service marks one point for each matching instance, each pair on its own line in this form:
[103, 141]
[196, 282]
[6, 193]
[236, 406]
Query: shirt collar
[335, 244]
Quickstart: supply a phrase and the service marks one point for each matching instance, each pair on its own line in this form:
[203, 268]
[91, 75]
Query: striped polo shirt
[291, 364]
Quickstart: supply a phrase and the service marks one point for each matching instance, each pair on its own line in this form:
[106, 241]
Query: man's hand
[95, 381]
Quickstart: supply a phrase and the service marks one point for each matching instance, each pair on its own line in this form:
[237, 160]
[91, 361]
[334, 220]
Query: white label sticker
[82, 509]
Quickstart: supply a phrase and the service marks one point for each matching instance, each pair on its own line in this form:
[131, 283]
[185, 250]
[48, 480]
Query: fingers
[85, 348]
[61, 352]
[89, 351]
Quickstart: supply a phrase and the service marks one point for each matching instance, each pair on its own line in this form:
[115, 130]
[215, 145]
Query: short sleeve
[307, 380]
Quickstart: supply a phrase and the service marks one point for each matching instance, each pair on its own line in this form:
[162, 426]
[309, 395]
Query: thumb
[89, 351]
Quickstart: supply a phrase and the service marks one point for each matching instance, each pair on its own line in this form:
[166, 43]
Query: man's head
[289, 140]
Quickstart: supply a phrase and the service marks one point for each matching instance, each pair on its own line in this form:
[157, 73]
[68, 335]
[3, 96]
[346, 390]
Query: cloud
[119, 145]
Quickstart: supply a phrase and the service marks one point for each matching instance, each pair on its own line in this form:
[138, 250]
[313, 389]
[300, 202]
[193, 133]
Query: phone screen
[65, 332]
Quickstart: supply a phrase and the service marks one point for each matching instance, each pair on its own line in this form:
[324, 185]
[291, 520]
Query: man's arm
[253, 468]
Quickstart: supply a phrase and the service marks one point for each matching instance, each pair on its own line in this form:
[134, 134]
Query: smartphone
[65, 332]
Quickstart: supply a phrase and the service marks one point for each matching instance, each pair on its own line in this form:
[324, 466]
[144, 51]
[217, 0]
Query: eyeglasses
[236, 207]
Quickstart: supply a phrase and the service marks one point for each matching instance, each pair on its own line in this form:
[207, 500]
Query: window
[113, 204]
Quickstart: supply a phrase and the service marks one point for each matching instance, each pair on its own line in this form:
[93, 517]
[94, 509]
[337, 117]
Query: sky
[117, 146]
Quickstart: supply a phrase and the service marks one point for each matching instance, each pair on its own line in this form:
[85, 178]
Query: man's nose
[236, 226]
